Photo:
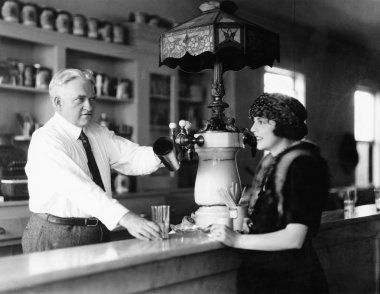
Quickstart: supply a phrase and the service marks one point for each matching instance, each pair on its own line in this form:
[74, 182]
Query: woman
[290, 191]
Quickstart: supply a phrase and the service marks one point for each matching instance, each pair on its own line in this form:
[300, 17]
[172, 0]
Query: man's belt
[69, 221]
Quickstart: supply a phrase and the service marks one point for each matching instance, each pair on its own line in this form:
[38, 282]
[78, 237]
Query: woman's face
[263, 128]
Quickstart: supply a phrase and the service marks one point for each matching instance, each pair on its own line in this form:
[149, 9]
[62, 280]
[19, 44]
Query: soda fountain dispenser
[221, 41]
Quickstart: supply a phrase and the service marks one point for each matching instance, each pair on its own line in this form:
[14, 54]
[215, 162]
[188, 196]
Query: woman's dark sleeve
[305, 191]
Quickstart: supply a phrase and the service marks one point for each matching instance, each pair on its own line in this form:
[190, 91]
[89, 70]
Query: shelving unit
[55, 50]
[137, 63]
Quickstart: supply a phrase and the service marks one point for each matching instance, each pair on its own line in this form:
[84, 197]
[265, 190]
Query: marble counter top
[45, 267]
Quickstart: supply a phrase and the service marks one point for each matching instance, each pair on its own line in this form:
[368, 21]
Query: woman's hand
[247, 225]
[224, 234]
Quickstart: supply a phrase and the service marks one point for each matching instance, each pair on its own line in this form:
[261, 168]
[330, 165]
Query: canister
[112, 88]
[99, 83]
[79, 24]
[62, 22]
[29, 14]
[47, 18]
[92, 28]
[106, 85]
[21, 68]
[43, 76]
[118, 33]
[122, 89]
[29, 75]
[105, 31]
[10, 10]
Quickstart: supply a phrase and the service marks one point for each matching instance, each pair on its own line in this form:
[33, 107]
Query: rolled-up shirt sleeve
[130, 158]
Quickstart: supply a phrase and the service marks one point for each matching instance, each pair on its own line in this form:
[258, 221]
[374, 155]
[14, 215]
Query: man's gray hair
[66, 75]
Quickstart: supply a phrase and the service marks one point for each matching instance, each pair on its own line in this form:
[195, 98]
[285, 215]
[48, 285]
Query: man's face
[77, 102]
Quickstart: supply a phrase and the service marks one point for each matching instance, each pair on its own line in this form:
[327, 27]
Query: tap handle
[172, 127]
[182, 123]
[187, 127]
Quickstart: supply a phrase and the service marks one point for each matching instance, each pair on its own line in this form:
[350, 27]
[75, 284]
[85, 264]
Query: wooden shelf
[52, 38]
[45, 91]
[113, 99]
[189, 100]
[160, 128]
[160, 97]
[21, 138]
[23, 89]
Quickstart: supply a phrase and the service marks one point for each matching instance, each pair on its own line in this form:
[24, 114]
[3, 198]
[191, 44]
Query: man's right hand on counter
[139, 227]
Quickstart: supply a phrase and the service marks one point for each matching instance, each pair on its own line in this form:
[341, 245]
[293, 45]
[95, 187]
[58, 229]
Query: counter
[189, 263]
[14, 215]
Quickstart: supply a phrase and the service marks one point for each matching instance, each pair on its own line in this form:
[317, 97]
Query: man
[69, 172]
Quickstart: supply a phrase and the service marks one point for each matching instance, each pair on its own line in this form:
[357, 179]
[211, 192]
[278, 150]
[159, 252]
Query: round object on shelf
[43, 77]
[106, 85]
[99, 83]
[29, 14]
[62, 22]
[118, 33]
[92, 28]
[140, 17]
[10, 10]
[123, 91]
[105, 31]
[29, 75]
[79, 24]
[47, 18]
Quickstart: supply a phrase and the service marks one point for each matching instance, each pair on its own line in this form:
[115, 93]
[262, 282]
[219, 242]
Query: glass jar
[118, 33]
[99, 83]
[43, 76]
[79, 22]
[29, 75]
[92, 28]
[10, 11]
[47, 18]
[123, 89]
[29, 14]
[105, 31]
[63, 21]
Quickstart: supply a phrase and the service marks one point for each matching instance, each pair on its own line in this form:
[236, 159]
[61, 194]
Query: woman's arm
[292, 237]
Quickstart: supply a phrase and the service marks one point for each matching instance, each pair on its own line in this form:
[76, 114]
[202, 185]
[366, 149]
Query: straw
[226, 198]
[242, 194]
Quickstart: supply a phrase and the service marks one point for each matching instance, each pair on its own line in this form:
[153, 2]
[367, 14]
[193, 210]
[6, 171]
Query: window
[278, 80]
[366, 105]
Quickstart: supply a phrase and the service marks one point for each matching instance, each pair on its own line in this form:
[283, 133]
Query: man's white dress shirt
[59, 180]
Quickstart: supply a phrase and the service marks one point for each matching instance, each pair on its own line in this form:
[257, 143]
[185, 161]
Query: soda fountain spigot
[186, 140]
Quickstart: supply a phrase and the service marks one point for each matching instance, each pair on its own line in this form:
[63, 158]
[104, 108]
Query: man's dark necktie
[91, 161]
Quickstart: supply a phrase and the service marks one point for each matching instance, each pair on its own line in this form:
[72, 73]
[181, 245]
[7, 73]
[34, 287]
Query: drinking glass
[349, 196]
[376, 191]
[161, 215]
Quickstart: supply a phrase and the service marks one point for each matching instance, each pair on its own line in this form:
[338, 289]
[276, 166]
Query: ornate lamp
[218, 40]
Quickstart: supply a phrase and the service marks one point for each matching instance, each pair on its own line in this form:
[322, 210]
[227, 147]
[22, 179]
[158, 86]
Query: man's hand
[139, 227]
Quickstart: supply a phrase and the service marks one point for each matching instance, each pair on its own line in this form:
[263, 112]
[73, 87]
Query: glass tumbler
[161, 215]
[349, 200]
[376, 192]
